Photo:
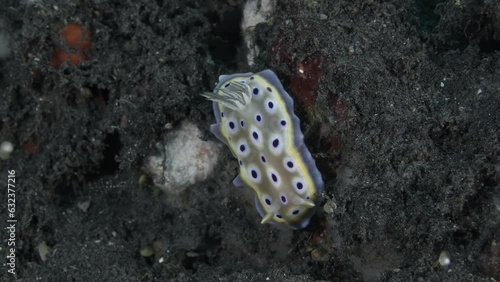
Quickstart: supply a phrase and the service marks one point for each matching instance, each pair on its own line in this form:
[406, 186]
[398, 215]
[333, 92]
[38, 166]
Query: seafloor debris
[182, 159]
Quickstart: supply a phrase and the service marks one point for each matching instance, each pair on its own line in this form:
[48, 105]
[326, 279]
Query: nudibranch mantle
[255, 119]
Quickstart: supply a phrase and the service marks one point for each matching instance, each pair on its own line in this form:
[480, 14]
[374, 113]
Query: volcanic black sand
[399, 103]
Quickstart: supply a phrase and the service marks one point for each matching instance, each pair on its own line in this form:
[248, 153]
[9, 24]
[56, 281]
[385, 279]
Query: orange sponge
[76, 37]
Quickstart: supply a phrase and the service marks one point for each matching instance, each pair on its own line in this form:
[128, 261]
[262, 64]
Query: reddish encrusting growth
[306, 79]
[306, 74]
[76, 37]
[303, 82]
[30, 147]
[339, 107]
[281, 53]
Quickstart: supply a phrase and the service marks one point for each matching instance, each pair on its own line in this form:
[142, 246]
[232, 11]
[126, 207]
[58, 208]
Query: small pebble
[6, 148]
[146, 251]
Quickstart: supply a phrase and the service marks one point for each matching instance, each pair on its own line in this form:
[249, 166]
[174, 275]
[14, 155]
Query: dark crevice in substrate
[109, 165]
[227, 38]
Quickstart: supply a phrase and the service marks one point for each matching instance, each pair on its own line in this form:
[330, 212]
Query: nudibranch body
[255, 119]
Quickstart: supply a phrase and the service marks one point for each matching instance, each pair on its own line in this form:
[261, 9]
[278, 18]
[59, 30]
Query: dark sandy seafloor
[399, 103]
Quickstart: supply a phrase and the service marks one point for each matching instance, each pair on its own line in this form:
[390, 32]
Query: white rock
[6, 148]
[255, 12]
[184, 159]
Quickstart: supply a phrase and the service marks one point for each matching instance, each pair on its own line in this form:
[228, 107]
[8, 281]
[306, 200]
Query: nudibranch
[255, 119]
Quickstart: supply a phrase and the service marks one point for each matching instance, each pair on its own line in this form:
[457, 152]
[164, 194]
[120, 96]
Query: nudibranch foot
[215, 129]
[238, 182]
[267, 217]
